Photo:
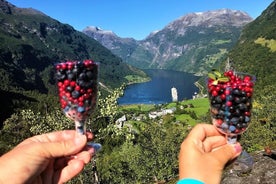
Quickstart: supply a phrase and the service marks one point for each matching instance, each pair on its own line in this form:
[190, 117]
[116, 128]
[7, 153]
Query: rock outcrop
[262, 172]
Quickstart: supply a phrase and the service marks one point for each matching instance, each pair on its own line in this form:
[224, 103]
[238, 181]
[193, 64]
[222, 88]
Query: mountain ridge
[211, 33]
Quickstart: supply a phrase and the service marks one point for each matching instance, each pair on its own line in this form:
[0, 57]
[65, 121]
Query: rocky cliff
[263, 171]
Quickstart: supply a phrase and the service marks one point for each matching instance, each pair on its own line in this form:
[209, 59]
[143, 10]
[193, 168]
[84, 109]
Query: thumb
[227, 152]
[64, 147]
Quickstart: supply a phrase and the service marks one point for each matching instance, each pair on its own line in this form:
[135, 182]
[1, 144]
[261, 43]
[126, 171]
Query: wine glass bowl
[230, 96]
[77, 83]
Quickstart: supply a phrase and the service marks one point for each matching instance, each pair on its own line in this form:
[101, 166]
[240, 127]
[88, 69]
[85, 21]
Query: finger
[227, 152]
[47, 174]
[84, 156]
[73, 168]
[89, 136]
[201, 131]
[62, 147]
[51, 137]
[57, 136]
[211, 143]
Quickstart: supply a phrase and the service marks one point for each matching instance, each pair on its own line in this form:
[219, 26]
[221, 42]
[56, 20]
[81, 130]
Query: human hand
[48, 158]
[204, 153]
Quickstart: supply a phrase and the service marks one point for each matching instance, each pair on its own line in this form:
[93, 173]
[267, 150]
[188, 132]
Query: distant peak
[98, 29]
[221, 16]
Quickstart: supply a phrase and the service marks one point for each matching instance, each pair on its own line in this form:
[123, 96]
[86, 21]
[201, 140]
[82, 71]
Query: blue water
[158, 90]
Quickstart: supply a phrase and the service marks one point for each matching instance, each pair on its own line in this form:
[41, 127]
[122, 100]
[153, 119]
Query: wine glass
[230, 95]
[77, 83]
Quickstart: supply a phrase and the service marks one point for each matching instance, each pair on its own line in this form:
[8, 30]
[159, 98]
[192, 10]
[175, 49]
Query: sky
[133, 18]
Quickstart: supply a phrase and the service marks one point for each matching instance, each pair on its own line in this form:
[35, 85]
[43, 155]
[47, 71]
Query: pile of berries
[77, 87]
[230, 97]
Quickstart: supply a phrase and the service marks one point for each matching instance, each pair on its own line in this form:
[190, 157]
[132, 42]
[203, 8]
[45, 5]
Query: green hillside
[31, 43]
[255, 52]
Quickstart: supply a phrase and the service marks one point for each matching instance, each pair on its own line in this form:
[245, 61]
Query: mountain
[119, 46]
[255, 51]
[193, 43]
[32, 42]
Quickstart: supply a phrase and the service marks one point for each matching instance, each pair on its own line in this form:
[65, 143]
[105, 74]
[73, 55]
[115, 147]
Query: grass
[138, 107]
[136, 79]
[271, 44]
[201, 105]
[186, 118]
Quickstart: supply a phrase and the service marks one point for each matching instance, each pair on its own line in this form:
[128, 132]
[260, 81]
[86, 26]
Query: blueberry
[71, 76]
[224, 126]
[229, 98]
[243, 93]
[69, 88]
[75, 94]
[75, 71]
[242, 106]
[246, 119]
[81, 83]
[81, 109]
[89, 75]
[241, 119]
[87, 103]
[236, 92]
[60, 76]
[237, 100]
[239, 126]
[82, 76]
[227, 113]
[234, 120]
[218, 99]
[237, 112]
[232, 128]
[67, 108]
[244, 99]
[221, 112]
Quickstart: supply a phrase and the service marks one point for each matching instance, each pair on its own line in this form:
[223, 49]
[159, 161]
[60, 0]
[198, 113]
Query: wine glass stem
[80, 127]
[232, 139]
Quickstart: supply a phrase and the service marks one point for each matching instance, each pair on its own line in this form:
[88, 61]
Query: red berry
[63, 66]
[248, 94]
[80, 99]
[223, 96]
[80, 104]
[227, 92]
[230, 73]
[66, 82]
[214, 93]
[219, 121]
[229, 103]
[217, 88]
[72, 83]
[77, 88]
[247, 79]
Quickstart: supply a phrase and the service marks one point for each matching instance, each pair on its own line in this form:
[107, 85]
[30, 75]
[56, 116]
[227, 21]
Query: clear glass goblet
[230, 95]
[77, 83]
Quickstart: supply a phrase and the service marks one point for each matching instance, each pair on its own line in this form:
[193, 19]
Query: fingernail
[79, 139]
[238, 148]
[94, 145]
